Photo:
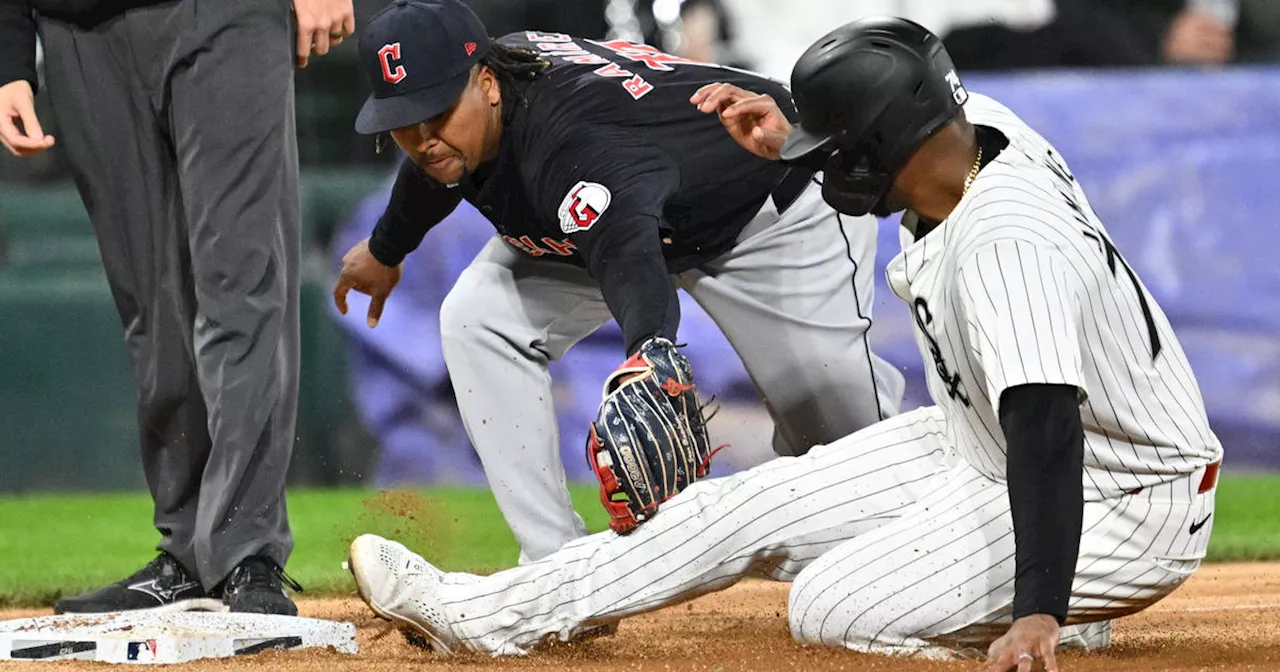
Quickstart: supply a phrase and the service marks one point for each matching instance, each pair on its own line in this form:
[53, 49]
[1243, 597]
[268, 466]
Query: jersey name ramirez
[557, 45]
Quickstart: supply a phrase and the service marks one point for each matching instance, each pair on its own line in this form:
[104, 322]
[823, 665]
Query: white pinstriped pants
[894, 544]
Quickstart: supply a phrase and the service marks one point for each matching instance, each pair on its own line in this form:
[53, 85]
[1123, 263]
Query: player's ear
[488, 81]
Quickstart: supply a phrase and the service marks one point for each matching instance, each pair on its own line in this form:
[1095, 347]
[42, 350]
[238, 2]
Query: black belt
[790, 188]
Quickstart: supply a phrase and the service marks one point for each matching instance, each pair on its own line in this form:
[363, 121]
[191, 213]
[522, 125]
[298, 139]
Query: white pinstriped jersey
[1022, 285]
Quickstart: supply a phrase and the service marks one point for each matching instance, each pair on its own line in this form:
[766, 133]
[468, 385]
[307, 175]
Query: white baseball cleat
[400, 586]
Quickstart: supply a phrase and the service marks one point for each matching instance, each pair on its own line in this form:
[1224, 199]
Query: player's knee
[824, 610]
[802, 604]
[465, 312]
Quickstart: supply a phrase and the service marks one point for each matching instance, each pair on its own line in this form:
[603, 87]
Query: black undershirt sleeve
[1045, 439]
[626, 259]
[417, 204]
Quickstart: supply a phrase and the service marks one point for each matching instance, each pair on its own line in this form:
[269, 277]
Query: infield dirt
[1227, 617]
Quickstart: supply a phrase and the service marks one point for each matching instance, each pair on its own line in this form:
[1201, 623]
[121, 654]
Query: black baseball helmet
[869, 94]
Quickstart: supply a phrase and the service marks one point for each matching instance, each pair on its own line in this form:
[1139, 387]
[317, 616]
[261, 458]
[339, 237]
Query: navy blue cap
[418, 55]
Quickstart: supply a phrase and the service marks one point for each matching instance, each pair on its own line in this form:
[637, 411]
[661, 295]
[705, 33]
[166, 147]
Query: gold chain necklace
[973, 172]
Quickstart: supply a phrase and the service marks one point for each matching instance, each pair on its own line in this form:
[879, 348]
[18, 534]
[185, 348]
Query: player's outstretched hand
[322, 24]
[18, 106]
[1030, 639]
[753, 119]
[365, 274]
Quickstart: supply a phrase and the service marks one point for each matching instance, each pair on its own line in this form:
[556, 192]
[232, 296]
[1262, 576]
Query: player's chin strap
[853, 187]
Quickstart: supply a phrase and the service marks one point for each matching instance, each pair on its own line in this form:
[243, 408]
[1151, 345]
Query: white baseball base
[163, 638]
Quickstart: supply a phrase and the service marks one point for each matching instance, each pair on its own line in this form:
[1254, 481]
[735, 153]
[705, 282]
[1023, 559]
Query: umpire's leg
[232, 115]
[112, 136]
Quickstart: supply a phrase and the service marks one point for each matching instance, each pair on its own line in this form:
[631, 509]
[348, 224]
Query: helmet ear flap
[851, 187]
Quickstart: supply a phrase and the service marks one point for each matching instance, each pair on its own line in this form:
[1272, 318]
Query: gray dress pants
[177, 121]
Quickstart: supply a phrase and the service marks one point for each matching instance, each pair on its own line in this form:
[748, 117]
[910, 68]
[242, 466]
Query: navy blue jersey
[604, 158]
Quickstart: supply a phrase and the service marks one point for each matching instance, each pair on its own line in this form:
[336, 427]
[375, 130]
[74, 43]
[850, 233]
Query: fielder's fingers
[340, 294]
[348, 24]
[1000, 662]
[376, 303]
[1050, 662]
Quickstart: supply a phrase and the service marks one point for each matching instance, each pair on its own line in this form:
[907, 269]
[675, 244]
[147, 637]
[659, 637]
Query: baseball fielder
[608, 192]
[1064, 478]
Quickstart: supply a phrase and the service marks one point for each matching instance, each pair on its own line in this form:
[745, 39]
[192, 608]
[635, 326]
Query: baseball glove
[649, 440]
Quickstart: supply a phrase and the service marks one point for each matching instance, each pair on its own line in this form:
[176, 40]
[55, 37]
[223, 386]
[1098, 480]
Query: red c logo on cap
[385, 54]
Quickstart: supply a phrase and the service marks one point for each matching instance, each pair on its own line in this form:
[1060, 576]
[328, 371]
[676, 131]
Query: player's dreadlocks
[512, 65]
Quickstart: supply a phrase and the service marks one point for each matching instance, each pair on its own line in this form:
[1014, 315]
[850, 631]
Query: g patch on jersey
[582, 206]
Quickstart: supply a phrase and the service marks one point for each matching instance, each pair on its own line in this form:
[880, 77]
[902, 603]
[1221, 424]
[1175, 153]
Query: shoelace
[289, 581]
[274, 573]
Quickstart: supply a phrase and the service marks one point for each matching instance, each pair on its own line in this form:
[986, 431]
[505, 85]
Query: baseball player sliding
[608, 192]
[1064, 477]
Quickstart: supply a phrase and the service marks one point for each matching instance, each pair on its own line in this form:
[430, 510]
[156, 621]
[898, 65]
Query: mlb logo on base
[141, 652]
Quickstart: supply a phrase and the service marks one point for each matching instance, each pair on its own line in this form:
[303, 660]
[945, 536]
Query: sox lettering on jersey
[951, 380]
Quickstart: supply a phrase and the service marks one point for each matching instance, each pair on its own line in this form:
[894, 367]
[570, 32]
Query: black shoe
[163, 585]
[256, 586]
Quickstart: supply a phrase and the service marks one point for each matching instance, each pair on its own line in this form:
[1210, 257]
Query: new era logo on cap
[471, 48]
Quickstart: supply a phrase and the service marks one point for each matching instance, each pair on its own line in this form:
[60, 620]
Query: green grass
[1247, 518]
[58, 544]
